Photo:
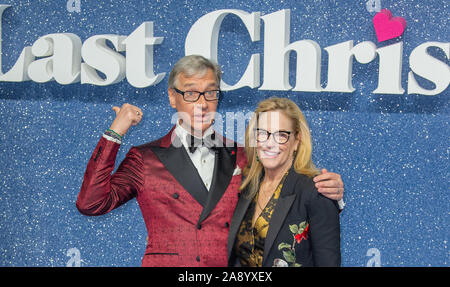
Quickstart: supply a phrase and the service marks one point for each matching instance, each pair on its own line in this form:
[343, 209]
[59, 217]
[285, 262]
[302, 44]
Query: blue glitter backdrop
[391, 150]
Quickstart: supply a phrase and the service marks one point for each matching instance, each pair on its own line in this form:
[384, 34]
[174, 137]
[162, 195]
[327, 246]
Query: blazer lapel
[284, 203]
[225, 161]
[176, 160]
[236, 220]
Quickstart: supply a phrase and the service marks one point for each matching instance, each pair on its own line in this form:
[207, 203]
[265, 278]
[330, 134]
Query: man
[186, 183]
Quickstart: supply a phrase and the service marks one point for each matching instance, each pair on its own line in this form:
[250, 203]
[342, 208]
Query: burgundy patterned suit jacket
[187, 225]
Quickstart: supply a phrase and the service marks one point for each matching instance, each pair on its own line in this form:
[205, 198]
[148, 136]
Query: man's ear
[172, 98]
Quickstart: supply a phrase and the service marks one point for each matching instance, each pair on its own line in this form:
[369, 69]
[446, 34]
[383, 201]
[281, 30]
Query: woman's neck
[275, 175]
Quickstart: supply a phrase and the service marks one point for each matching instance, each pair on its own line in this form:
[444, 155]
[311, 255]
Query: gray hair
[192, 65]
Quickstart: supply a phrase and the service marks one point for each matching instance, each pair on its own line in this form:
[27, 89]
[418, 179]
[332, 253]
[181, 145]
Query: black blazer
[299, 201]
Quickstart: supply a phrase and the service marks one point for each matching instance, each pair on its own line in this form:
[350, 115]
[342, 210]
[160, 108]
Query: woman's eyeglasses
[280, 137]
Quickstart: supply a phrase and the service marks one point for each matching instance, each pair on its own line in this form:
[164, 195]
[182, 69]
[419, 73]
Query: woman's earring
[257, 158]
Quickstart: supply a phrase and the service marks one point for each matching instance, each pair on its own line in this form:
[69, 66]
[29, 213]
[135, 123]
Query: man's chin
[200, 127]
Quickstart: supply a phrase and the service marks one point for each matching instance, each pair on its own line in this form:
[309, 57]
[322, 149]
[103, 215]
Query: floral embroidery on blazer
[299, 232]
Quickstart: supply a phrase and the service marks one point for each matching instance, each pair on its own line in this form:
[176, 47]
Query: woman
[281, 219]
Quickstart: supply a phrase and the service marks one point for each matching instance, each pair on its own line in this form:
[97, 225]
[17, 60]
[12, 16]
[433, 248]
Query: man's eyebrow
[211, 85]
[188, 85]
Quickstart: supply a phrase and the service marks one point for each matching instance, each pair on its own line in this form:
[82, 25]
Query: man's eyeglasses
[280, 137]
[193, 96]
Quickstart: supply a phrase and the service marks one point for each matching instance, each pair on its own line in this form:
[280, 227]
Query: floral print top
[249, 245]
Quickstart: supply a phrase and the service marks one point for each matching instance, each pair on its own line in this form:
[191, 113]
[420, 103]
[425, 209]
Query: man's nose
[201, 101]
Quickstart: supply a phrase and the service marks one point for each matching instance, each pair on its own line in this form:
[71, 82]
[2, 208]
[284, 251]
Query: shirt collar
[182, 133]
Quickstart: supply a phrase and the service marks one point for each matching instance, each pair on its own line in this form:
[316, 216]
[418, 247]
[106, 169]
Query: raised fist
[126, 116]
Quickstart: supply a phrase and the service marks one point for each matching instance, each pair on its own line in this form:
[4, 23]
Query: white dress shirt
[203, 158]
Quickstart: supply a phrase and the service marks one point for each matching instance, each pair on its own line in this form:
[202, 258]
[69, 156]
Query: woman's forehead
[274, 120]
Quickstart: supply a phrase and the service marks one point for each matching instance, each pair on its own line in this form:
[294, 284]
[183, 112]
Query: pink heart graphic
[387, 27]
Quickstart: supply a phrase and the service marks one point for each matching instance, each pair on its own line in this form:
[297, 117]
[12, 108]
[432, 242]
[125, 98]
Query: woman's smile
[270, 153]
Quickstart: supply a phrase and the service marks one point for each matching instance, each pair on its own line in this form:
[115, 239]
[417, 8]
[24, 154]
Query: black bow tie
[208, 141]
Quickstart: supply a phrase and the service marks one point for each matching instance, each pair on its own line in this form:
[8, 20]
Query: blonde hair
[303, 163]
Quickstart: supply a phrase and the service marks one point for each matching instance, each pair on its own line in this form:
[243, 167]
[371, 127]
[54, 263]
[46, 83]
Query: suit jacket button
[227, 224]
[175, 195]
[199, 226]
[198, 258]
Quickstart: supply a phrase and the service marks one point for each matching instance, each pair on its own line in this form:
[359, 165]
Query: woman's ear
[298, 138]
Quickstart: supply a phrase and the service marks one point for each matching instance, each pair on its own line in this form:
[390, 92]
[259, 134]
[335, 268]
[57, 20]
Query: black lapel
[178, 163]
[236, 220]
[225, 161]
[284, 203]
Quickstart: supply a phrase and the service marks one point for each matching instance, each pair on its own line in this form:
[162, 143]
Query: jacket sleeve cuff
[112, 139]
[341, 204]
